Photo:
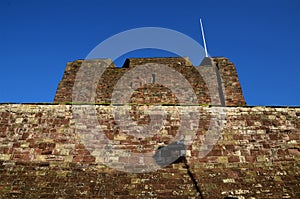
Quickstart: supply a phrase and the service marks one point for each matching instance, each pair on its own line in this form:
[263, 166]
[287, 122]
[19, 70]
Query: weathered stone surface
[203, 80]
[256, 156]
[237, 151]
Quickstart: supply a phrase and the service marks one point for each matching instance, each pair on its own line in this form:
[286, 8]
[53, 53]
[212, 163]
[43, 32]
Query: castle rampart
[236, 150]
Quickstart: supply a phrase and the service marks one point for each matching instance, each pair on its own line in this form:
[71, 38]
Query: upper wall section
[215, 82]
[181, 61]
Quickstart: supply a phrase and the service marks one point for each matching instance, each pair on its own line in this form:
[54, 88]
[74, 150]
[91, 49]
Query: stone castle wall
[52, 150]
[203, 80]
[256, 156]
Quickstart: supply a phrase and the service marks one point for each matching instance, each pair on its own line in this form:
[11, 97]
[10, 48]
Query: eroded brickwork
[201, 78]
[257, 155]
[237, 151]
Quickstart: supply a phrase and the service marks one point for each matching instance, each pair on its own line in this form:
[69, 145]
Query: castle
[255, 155]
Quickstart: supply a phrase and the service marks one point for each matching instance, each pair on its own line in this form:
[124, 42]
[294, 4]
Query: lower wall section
[249, 152]
[41, 180]
[44, 180]
[278, 180]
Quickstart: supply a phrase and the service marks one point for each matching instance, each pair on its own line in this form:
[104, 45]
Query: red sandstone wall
[156, 93]
[256, 156]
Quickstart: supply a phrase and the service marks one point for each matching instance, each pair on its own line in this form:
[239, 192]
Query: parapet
[180, 61]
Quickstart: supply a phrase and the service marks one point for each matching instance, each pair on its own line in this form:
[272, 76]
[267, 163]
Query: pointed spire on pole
[203, 37]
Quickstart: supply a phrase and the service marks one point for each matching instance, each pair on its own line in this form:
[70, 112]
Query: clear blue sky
[262, 38]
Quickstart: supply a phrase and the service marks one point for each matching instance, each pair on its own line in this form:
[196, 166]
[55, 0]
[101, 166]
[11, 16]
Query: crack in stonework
[184, 160]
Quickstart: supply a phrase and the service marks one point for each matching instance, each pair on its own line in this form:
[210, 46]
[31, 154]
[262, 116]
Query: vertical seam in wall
[220, 88]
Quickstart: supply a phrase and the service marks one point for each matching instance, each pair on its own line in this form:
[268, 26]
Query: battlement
[171, 61]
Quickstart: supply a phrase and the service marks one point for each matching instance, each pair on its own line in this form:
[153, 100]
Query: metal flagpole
[203, 37]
